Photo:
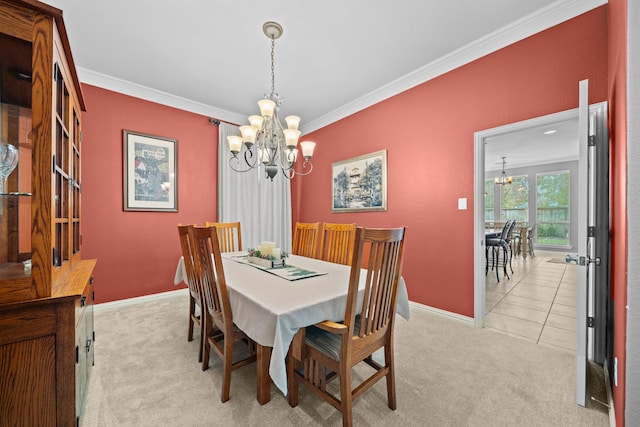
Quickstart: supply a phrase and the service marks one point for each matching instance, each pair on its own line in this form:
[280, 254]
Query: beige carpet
[447, 374]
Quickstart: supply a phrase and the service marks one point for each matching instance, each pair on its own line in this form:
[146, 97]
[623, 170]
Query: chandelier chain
[273, 69]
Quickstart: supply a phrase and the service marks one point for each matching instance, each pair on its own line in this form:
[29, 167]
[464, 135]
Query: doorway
[511, 140]
[537, 298]
[592, 163]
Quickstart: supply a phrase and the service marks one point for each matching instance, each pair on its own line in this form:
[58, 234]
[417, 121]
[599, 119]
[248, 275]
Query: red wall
[137, 252]
[428, 132]
[617, 95]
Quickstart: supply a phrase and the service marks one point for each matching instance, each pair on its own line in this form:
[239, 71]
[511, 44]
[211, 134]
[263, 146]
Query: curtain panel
[262, 206]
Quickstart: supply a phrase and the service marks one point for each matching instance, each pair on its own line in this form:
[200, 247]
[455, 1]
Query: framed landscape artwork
[360, 184]
[150, 173]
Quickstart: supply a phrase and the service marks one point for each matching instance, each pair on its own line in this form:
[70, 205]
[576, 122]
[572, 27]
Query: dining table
[272, 304]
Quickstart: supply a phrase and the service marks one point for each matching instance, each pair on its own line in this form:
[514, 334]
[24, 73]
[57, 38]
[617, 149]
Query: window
[514, 200]
[552, 208]
[488, 200]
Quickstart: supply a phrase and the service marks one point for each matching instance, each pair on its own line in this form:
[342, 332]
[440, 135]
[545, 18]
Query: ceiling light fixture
[264, 139]
[503, 179]
[549, 132]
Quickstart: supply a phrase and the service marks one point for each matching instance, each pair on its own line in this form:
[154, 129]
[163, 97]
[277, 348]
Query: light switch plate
[462, 203]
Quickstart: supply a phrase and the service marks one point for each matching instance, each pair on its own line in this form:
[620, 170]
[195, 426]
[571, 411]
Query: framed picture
[360, 184]
[150, 172]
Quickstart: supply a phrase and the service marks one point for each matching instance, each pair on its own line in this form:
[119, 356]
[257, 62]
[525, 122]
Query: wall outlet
[462, 203]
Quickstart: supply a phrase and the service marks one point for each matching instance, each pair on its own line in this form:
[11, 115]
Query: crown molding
[545, 18]
[149, 94]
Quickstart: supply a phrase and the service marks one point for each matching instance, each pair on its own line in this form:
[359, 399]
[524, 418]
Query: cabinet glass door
[16, 147]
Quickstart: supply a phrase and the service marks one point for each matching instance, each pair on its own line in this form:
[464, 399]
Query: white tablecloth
[270, 309]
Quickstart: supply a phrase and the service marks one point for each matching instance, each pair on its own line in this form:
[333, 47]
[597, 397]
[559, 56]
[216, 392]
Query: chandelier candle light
[264, 139]
[503, 179]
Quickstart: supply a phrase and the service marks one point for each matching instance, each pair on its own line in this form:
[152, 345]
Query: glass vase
[8, 162]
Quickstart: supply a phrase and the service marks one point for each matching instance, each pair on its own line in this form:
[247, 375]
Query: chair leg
[192, 308]
[391, 377]
[504, 262]
[486, 259]
[496, 254]
[206, 345]
[203, 337]
[292, 381]
[226, 368]
[346, 398]
[510, 258]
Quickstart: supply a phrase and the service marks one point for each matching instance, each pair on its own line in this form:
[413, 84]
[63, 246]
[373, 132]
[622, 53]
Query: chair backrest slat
[337, 243]
[305, 239]
[229, 235]
[505, 230]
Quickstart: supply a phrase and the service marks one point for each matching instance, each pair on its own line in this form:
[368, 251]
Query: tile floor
[537, 303]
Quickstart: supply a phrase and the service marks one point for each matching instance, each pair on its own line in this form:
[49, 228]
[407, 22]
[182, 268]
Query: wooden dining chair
[229, 235]
[195, 295]
[331, 349]
[305, 239]
[336, 242]
[220, 331]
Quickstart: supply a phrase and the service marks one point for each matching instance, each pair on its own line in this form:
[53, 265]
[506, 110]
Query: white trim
[631, 390]
[479, 280]
[138, 300]
[149, 94]
[554, 14]
[443, 313]
[543, 19]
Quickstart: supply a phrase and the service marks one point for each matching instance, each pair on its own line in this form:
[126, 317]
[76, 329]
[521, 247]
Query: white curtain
[263, 207]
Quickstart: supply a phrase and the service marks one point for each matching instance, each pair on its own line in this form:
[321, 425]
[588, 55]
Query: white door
[580, 258]
[593, 227]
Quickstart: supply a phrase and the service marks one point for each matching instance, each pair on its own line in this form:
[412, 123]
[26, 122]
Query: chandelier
[503, 179]
[264, 141]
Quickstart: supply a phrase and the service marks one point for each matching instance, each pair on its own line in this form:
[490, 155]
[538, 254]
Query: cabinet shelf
[15, 194]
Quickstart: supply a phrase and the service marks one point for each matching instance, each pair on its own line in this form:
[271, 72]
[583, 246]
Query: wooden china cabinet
[46, 289]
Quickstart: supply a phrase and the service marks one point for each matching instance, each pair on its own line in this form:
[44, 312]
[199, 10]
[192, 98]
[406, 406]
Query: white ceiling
[532, 146]
[335, 57]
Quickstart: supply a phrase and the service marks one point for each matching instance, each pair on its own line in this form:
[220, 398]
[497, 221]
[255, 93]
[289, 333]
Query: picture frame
[359, 184]
[150, 172]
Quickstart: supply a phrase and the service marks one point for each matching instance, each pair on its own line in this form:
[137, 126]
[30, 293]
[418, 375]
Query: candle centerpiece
[267, 255]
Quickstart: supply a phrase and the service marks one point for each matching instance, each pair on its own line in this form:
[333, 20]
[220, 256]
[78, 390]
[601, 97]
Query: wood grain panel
[42, 119]
[27, 323]
[65, 364]
[16, 289]
[27, 369]
[16, 21]
[73, 283]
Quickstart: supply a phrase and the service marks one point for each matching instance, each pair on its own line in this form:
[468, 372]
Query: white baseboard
[455, 316]
[138, 300]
